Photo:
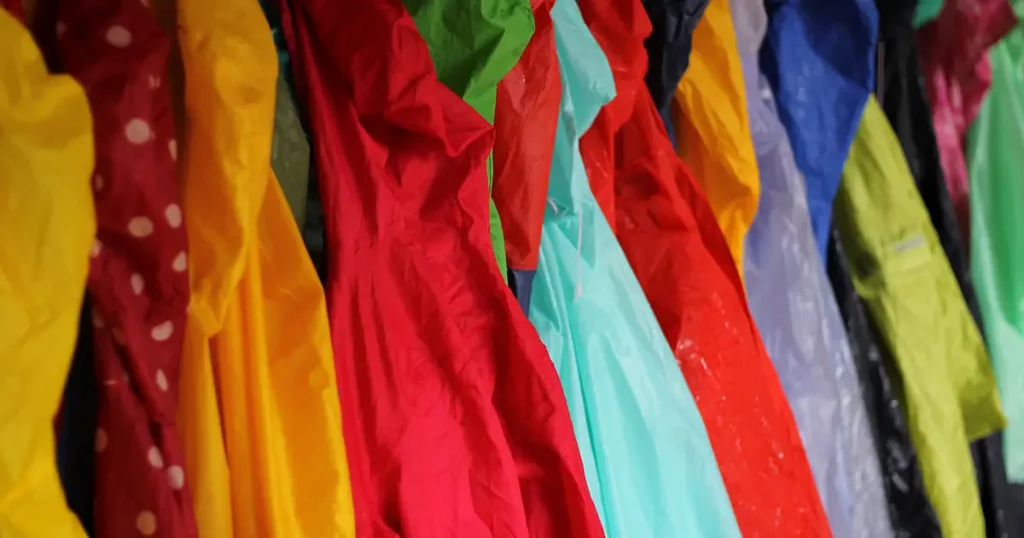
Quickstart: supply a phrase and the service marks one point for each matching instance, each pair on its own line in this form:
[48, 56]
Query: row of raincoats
[516, 268]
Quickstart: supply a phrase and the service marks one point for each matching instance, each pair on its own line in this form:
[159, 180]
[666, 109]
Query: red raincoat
[525, 120]
[957, 75]
[454, 417]
[679, 255]
[138, 277]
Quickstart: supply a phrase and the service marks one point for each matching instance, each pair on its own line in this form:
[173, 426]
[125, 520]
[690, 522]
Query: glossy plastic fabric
[669, 47]
[997, 250]
[820, 60]
[794, 307]
[713, 127]
[910, 512]
[910, 290]
[474, 44]
[525, 119]
[47, 228]
[957, 75]
[649, 465]
[926, 11]
[455, 419]
[138, 278]
[289, 152]
[258, 391]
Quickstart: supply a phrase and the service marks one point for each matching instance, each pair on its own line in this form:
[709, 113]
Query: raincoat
[678, 254]
[997, 257]
[138, 278]
[957, 75]
[650, 467]
[247, 416]
[48, 224]
[456, 31]
[713, 130]
[455, 420]
[910, 290]
[836, 42]
[668, 49]
[910, 512]
[525, 119]
[807, 342]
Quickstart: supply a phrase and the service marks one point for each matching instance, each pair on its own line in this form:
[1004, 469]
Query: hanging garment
[649, 465]
[926, 11]
[713, 130]
[668, 49]
[910, 290]
[247, 416]
[525, 120]
[471, 57]
[682, 261]
[819, 58]
[957, 76]
[289, 152]
[997, 259]
[910, 512]
[455, 420]
[48, 225]
[138, 278]
[807, 342]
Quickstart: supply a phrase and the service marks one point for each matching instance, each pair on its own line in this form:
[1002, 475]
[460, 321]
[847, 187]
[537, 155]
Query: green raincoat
[902, 274]
[996, 143]
[474, 44]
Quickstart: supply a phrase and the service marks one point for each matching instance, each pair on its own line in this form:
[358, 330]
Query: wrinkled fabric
[957, 76]
[820, 60]
[910, 512]
[807, 343]
[525, 119]
[910, 290]
[620, 28]
[138, 275]
[713, 127]
[258, 389]
[648, 462]
[995, 145]
[48, 224]
[455, 421]
[681, 259]
[668, 49]
[474, 44]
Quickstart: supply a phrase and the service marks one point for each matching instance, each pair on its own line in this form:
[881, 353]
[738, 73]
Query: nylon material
[681, 259]
[48, 220]
[289, 151]
[246, 416]
[669, 47]
[809, 346]
[957, 76]
[455, 419]
[474, 44]
[997, 259]
[820, 61]
[955, 396]
[649, 465]
[525, 119]
[713, 127]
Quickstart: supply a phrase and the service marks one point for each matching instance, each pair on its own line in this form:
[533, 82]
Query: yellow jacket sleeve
[259, 411]
[47, 226]
[713, 129]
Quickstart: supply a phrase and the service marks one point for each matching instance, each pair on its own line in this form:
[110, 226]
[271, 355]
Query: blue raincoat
[648, 461]
[820, 60]
[794, 307]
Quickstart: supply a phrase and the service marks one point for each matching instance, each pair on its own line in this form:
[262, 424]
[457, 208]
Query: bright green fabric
[996, 143]
[901, 272]
[474, 44]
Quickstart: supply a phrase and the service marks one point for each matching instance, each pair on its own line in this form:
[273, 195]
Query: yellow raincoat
[259, 414]
[47, 226]
[713, 130]
[901, 272]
